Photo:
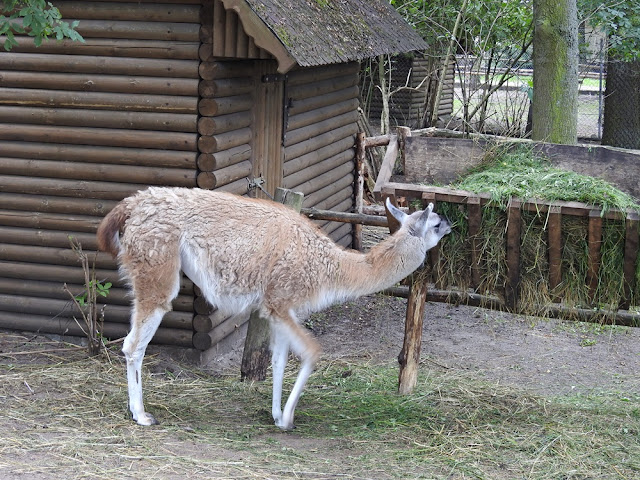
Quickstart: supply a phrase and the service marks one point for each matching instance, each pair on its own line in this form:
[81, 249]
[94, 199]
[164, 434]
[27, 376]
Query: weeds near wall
[87, 302]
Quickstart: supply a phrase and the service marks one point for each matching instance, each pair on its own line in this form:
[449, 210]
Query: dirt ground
[546, 356]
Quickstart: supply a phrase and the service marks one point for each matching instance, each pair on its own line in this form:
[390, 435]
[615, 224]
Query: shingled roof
[320, 32]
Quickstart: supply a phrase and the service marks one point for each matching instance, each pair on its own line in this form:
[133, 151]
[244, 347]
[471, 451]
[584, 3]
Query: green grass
[517, 172]
[350, 424]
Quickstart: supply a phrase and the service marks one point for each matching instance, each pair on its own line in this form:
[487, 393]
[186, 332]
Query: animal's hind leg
[148, 309]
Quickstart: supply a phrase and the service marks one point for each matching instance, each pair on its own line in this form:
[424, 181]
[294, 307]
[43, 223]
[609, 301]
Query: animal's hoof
[146, 419]
[285, 427]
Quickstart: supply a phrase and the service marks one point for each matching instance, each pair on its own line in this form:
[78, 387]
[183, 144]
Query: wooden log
[554, 238]
[474, 212]
[99, 83]
[320, 174]
[116, 296]
[630, 258]
[176, 32]
[142, 157]
[224, 141]
[403, 134]
[224, 123]
[68, 188]
[513, 254]
[148, 67]
[386, 169]
[226, 175]
[149, 12]
[49, 221]
[45, 204]
[209, 162]
[207, 322]
[379, 141]
[360, 168]
[100, 136]
[305, 161]
[225, 87]
[219, 23]
[594, 245]
[239, 187]
[257, 353]
[68, 327]
[325, 72]
[220, 69]
[66, 308]
[96, 171]
[209, 107]
[51, 255]
[341, 201]
[304, 133]
[322, 87]
[205, 340]
[169, 122]
[357, 218]
[29, 236]
[322, 114]
[409, 357]
[317, 197]
[332, 98]
[110, 47]
[99, 100]
[319, 141]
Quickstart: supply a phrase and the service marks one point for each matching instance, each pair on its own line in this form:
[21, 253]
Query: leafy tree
[36, 18]
[555, 71]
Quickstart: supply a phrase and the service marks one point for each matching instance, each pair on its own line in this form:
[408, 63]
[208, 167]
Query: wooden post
[360, 156]
[409, 358]
[513, 255]
[630, 258]
[255, 358]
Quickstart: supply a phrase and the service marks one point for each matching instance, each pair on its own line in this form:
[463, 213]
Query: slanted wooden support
[255, 358]
[630, 257]
[474, 212]
[513, 254]
[554, 234]
[594, 244]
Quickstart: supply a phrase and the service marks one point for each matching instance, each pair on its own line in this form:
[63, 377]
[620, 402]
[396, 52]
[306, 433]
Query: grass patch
[70, 413]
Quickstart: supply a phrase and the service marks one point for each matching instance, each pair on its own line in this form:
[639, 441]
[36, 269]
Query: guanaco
[248, 254]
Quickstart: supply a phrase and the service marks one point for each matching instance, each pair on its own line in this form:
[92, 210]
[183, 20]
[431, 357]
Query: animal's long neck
[384, 265]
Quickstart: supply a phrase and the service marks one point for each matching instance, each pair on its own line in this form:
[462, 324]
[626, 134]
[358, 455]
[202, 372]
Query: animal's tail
[110, 228]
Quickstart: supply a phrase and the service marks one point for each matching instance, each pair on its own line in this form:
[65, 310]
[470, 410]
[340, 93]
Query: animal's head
[425, 225]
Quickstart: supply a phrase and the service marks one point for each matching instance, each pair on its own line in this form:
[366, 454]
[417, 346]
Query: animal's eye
[438, 224]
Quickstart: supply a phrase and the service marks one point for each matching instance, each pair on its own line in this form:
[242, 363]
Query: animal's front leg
[279, 357]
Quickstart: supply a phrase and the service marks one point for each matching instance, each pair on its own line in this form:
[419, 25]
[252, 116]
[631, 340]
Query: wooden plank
[594, 246]
[513, 255]
[630, 258]
[474, 212]
[388, 163]
[554, 239]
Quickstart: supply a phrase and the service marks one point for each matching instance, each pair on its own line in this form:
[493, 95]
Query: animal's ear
[422, 224]
[398, 214]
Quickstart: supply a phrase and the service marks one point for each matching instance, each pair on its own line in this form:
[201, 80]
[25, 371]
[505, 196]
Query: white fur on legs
[279, 358]
[134, 347]
[287, 335]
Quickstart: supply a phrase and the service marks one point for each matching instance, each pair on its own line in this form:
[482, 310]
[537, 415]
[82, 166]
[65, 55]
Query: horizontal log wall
[82, 125]
[319, 141]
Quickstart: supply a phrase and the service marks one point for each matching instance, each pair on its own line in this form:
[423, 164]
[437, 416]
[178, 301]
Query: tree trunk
[622, 104]
[555, 71]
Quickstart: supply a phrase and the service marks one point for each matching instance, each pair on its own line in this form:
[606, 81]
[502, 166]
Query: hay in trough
[519, 172]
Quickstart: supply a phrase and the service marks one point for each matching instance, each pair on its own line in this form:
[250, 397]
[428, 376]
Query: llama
[248, 254]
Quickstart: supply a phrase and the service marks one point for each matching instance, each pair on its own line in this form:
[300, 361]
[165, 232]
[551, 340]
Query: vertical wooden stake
[594, 243]
[474, 211]
[409, 357]
[256, 355]
[360, 156]
[630, 258]
[554, 236]
[513, 254]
